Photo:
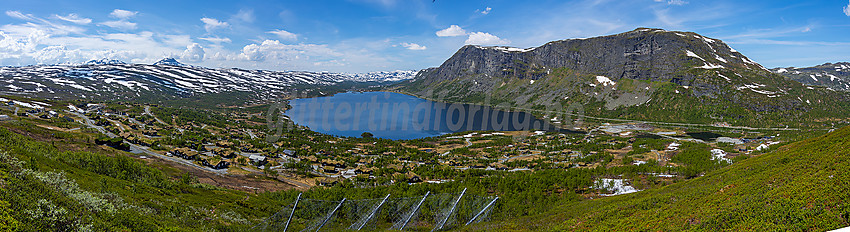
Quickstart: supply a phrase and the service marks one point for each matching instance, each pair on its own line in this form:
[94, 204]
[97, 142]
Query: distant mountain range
[834, 76]
[114, 79]
[644, 74]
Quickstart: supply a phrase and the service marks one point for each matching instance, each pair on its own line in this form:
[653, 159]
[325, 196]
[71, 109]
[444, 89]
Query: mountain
[644, 74]
[382, 76]
[168, 61]
[104, 61]
[798, 187]
[114, 80]
[834, 76]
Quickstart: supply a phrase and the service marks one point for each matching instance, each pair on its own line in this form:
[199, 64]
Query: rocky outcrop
[834, 76]
[641, 54]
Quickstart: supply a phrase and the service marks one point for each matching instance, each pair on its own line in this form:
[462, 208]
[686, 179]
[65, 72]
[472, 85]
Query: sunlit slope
[801, 186]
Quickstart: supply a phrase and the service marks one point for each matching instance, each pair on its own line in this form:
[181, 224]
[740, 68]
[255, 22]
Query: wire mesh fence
[421, 213]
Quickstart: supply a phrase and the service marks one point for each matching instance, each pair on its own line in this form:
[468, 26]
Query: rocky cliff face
[642, 54]
[650, 74]
[834, 76]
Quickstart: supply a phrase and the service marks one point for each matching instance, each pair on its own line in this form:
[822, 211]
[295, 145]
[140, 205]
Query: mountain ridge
[636, 75]
[113, 79]
[831, 75]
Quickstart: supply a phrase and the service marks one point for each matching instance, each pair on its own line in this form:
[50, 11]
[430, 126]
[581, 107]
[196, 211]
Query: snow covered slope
[115, 79]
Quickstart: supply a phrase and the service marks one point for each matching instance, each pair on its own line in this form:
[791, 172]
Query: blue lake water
[399, 116]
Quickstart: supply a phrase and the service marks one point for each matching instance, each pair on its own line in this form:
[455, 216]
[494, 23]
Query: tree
[367, 135]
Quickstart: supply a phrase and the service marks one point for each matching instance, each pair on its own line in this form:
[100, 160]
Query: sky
[387, 35]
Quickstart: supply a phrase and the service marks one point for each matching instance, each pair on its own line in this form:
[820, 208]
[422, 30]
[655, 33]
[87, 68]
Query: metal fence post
[414, 211]
[292, 213]
[443, 222]
[330, 215]
[482, 211]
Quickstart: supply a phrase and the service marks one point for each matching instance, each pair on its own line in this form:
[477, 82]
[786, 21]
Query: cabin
[364, 170]
[224, 143]
[150, 132]
[412, 178]
[334, 163]
[5, 117]
[329, 169]
[289, 153]
[327, 181]
[184, 153]
[224, 153]
[258, 160]
[221, 165]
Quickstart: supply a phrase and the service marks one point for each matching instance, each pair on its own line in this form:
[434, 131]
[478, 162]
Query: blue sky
[383, 35]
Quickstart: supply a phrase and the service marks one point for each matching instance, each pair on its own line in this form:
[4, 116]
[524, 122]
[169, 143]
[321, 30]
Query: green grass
[804, 186]
[45, 188]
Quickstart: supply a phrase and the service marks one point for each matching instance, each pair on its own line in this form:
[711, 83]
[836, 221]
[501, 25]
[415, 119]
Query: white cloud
[14, 45]
[482, 38]
[177, 40]
[807, 29]
[39, 24]
[413, 46]
[453, 30]
[275, 50]
[123, 14]
[486, 10]
[120, 24]
[673, 2]
[284, 34]
[194, 52]
[244, 15]
[216, 39]
[19, 15]
[74, 18]
[211, 24]
[847, 9]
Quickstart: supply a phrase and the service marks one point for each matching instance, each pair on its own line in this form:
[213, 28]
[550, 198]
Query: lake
[399, 116]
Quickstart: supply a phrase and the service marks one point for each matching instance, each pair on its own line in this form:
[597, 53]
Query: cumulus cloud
[14, 45]
[211, 24]
[284, 34]
[275, 50]
[194, 52]
[482, 38]
[847, 9]
[413, 46]
[120, 24]
[123, 14]
[31, 43]
[453, 30]
[216, 39]
[74, 18]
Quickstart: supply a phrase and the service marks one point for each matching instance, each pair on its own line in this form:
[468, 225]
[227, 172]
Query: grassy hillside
[70, 184]
[803, 186]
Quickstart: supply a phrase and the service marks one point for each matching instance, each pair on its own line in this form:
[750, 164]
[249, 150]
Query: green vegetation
[799, 187]
[52, 190]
